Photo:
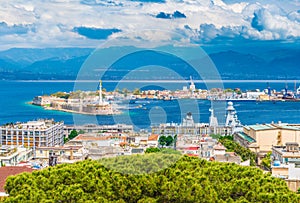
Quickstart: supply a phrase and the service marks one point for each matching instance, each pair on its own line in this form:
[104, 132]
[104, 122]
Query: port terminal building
[189, 127]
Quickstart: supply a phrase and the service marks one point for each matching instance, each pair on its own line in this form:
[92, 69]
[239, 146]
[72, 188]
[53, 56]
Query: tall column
[100, 92]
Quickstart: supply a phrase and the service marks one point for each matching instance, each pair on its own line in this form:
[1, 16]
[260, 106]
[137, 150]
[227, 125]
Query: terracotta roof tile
[11, 170]
[153, 137]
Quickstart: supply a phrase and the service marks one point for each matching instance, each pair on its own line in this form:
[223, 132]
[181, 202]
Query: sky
[88, 23]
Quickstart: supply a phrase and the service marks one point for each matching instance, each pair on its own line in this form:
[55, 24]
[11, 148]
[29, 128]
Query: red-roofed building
[8, 171]
[192, 148]
[191, 151]
[153, 140]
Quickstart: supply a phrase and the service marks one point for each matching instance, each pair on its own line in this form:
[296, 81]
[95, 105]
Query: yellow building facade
[260, 138]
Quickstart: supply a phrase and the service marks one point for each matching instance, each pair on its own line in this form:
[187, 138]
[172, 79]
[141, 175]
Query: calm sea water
[15, 95]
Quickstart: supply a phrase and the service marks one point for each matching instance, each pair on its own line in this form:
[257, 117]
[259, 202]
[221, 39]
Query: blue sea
[15, 96]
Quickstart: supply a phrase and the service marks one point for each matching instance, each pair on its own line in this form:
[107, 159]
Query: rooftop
[11, 170]
[286, 127]
[246, 137]
[283, 151]
[219, 147]
[116, 126]
[228, 157]
[39, 124]
[65, 147]
[90, 137]
[153, 137]
[272, 126]
[192, 148]
[262, 127]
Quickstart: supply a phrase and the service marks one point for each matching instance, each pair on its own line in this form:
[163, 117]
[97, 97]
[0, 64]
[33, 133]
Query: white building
[206, 149]
[219, 149]
[42, 100]
[33, 134]
[11, 155]
[254, 94]
[286, 164]
[189, 127]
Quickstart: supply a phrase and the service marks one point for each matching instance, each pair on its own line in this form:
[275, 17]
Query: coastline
[120, 112]
[78, 112]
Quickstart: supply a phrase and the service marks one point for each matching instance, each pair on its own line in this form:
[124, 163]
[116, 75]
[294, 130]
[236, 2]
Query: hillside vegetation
[244, 153]
[187, 180]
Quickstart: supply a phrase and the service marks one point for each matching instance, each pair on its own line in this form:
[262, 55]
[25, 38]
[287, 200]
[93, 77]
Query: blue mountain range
[64, 64]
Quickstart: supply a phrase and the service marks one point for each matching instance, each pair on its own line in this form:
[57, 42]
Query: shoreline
[72, 111]
[77, 112]
[120, 112]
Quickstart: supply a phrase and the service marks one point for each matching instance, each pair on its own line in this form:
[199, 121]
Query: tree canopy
[266, 161]
[166, 140]
[243, 152]
[136, 91]
[72, 135]
[185, 179]
[162, 150]
[61, 95]
[152, 150]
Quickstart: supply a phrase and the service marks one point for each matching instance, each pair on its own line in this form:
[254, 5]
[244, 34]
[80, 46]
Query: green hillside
[187, 180]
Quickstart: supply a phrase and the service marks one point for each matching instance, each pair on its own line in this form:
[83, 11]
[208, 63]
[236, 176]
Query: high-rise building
[41, 133]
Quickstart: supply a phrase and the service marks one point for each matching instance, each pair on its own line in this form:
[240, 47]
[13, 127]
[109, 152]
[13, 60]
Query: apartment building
[40, 133]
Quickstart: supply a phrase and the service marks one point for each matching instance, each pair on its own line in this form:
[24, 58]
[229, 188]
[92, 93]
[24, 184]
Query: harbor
[101, 102]
[250, 112]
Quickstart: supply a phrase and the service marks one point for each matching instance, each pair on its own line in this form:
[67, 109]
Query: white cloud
[275, 26]
[294, 16]
[54, 20]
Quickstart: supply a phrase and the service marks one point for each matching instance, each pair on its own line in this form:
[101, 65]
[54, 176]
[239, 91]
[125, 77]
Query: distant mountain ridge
[26, 56]
[64, 64]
